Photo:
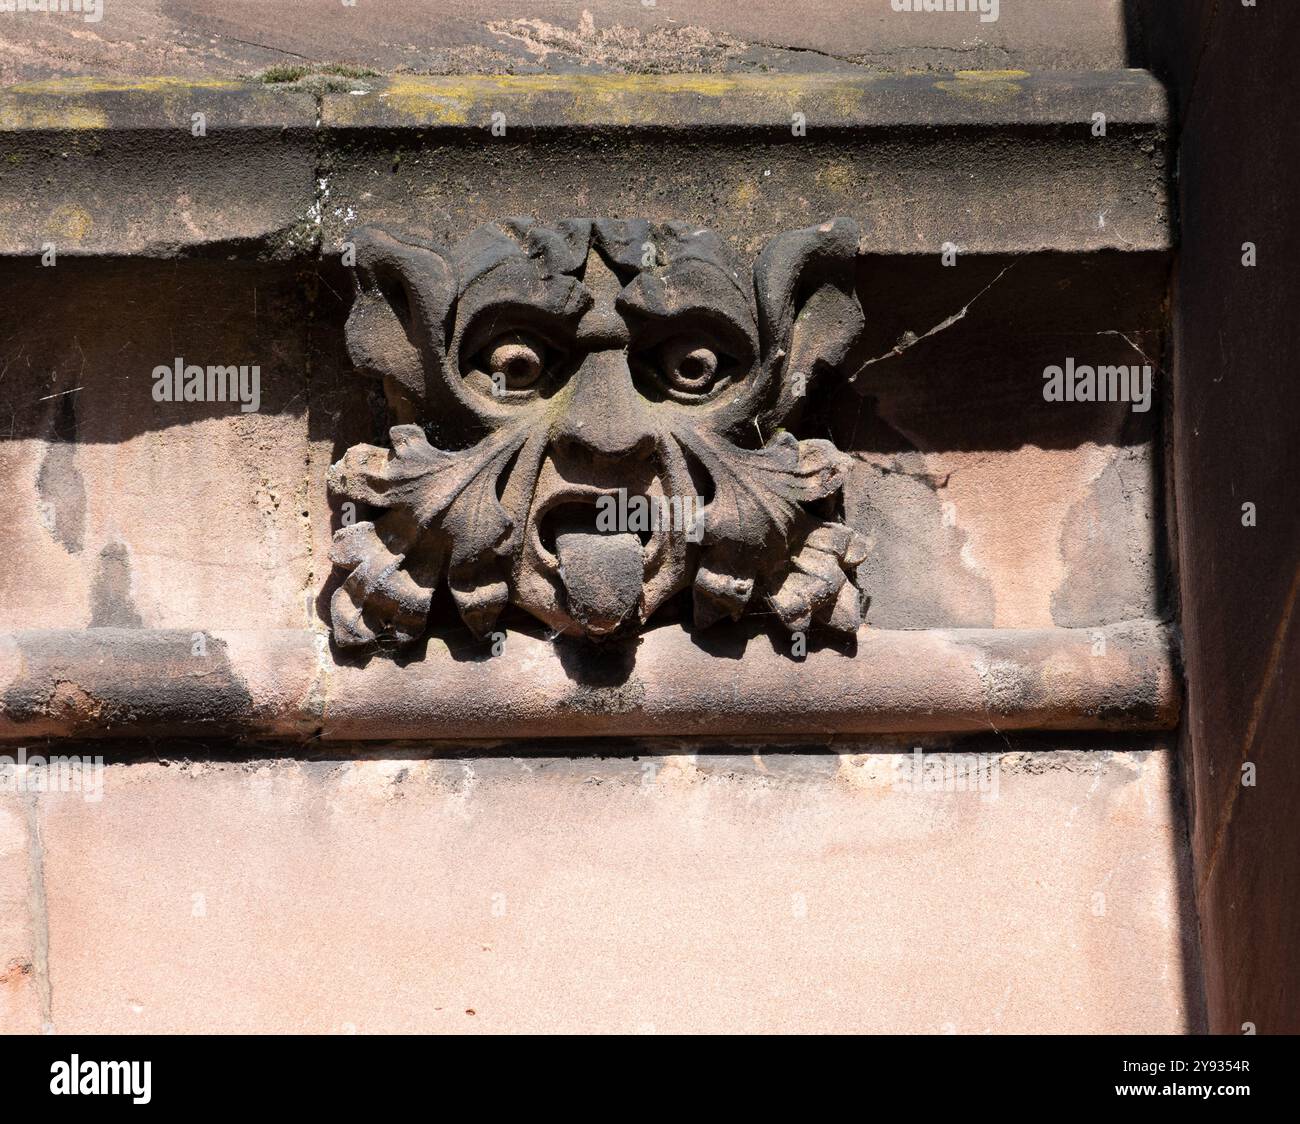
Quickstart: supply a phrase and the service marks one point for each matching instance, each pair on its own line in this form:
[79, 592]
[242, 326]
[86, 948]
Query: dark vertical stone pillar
[1236, 442]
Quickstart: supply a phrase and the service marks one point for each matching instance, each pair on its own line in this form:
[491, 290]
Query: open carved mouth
[599, 562]
[577, 516]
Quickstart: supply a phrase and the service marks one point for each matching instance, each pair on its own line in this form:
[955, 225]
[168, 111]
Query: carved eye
[515, 361]
[688, 367]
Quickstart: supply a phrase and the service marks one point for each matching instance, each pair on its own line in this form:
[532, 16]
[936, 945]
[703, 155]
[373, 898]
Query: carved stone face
[602, 398]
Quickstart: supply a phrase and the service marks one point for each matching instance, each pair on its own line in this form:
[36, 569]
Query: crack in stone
[910, 339]
[1134, 346]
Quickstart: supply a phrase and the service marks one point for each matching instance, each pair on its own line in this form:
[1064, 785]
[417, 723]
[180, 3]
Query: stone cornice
[286, 684]
[995, 161]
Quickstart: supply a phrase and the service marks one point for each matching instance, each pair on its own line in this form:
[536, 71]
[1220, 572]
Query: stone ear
[809, 313]
[397, 329]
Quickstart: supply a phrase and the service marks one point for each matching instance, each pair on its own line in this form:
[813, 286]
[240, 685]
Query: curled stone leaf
[817, 583]
[378, 598]
[758, 491]
[443, 505]
[758, 501]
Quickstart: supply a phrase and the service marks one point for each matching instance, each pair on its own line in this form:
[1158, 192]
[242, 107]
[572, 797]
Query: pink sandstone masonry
[384, 730]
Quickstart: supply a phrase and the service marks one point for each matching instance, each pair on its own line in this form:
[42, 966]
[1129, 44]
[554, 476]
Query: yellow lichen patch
[628, 100]
[68, 223]
[993, 75]
[836, 176]
[984, 85]
[52, 103]
[636, 86]
[413, 97]
[458, 100]
[15, 113]
[67, 87]
[625, 99]
[846, 98]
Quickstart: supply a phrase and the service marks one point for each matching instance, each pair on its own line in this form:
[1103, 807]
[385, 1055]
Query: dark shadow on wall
[93, 331]
[953, 362]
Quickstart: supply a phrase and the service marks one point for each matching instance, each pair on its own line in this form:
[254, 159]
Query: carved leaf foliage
[817, 583]
[378, 598]
[442, 506]
[757, 492]
[755, 512]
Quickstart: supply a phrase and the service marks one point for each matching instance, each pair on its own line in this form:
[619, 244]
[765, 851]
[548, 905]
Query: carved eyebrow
[659, 322]
[658, 325]
[503, 293]
[691, 288]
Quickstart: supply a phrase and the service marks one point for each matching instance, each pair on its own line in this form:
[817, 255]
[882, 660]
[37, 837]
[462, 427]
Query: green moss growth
[287, 72]
[274, 74]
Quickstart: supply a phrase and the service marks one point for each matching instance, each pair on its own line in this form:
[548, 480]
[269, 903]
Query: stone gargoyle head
[592, 424]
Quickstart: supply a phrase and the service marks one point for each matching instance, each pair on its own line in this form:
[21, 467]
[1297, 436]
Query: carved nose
[604, 415]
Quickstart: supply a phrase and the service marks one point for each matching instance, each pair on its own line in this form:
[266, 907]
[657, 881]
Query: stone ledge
[687, 101]
[76, 105]
[286, 684]
[108, 169]
[285, 174]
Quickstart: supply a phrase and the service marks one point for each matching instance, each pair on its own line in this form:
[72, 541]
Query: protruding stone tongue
[602, 576]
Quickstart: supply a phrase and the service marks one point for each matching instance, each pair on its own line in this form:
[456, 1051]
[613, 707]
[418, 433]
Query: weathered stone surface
[975, 493]
[132, 512]
[881, 151]
[670, 683]
[23, 978]
[522, 36]
[970, 98]
[134, 682]
[739, 892]
[134, 179]
[121, 682]
[609, 401]
[267, 178]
